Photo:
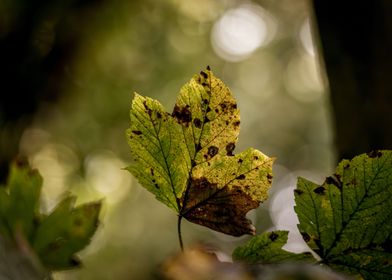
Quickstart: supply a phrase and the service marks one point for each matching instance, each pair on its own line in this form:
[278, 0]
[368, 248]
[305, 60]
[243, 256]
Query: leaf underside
[54, 238]
[267, 249]
[347, 220]
[186, 158]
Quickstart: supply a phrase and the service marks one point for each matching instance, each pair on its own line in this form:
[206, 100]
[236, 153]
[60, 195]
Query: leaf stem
[179, 232]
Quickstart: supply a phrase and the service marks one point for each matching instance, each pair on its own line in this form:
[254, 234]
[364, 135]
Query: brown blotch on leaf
[306, 237]
[212, 151]
[149, 111]
[204, 74]
[240, 160]
[299, 192]
[208, 68]
[159, 115]
[230, 148]
[273, 236]
[221, 209]
[241, 177]
[320, 190]
[137, 132]
[237, 123]
[334, 181]
[375, 154]
[197, 122]
[183, 115]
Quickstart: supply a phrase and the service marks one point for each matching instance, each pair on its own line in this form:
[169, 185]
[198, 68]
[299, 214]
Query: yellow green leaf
[186, 159]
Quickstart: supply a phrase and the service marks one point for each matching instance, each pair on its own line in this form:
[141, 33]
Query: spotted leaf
[186, 158]
[347, 219]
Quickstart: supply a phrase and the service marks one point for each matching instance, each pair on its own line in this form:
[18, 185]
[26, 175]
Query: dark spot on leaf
[208, 109]
[273, 236]
[299, 192]
[241, 177]
[216, 110]
[206, 119]
[256, 157]
[234, 106]
[193, 162]
[156, 186]
[221, 209]
[197, 147]
[237, 123]
[375, 154]
[183, 114]
[319, 190]
[204, 74]
[331, 181]
[269, 176]
[197, 122]
[152, 171]
[212, 151]
[137, 132]
[305, 236]
[204, 84]
[205, 101]
[240, 160]
[230, 148]
[159, 115]
[208, 68]
[149, 111]
[346, 166]
[153, 180]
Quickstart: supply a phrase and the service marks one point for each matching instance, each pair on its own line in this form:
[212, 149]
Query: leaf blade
[351, 211]
[267, 249]
[160, 165]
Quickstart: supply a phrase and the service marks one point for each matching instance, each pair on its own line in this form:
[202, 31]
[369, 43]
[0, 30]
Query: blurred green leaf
[347, 219]
[64, 232]
[54, 238]
[20, 200]
[186, 158]
[267, 249]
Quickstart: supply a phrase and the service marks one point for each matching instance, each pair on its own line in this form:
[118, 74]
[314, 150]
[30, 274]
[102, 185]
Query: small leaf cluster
[54, 238]
[186, 159]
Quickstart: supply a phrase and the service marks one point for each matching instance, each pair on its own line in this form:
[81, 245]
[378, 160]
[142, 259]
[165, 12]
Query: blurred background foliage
[69, 70]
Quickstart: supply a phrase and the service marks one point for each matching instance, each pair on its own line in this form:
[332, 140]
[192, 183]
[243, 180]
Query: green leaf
[54, 238]
[348, 219]
[186, 158]
[64, 232]
[20, 200]
[267, 249]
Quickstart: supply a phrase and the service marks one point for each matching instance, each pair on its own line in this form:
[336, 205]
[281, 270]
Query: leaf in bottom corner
[267, 249]
[64, 232]
[347, 220]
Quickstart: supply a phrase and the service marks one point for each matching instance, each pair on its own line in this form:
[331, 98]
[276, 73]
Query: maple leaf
[186, 158]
